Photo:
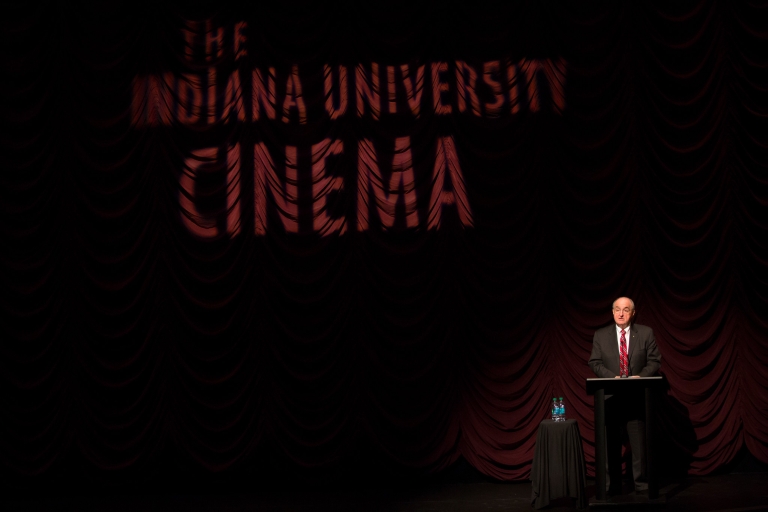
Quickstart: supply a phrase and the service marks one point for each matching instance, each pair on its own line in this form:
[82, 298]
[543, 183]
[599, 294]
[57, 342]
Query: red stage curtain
[126, 339]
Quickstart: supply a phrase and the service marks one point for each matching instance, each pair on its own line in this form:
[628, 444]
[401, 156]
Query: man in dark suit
[624, 349]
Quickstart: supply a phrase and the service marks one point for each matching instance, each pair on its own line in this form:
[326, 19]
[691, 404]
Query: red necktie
[624, 361]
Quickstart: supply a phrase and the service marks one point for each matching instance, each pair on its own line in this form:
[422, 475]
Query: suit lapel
[633, 342]
[615, 347]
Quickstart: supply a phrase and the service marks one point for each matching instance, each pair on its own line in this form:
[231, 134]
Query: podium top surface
[614, 386]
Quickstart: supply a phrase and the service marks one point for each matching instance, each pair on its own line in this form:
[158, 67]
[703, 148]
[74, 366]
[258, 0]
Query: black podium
[601, 387]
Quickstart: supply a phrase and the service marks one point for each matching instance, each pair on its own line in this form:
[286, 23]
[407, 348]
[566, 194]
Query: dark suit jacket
[644, 356]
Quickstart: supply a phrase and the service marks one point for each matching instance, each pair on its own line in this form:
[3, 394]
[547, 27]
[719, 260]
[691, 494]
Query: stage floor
[732, 493]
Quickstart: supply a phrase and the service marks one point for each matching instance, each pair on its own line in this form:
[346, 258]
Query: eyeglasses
[617, 310]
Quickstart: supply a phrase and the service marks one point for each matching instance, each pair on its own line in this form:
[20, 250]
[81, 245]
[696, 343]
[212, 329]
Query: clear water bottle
[555, 409]
[561, 409]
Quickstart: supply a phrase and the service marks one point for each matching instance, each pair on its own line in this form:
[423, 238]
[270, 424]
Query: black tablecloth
[558, 464]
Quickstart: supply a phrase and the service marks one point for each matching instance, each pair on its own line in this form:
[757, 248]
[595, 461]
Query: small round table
[558, 464]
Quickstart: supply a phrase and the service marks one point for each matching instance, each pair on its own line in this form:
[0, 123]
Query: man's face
[623, 312]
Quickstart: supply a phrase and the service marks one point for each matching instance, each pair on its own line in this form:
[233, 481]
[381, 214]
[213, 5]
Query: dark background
[132, 352]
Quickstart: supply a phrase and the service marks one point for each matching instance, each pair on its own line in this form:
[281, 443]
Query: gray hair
[631, 302]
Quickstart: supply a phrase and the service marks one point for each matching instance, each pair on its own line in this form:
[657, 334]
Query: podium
[601, 387]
